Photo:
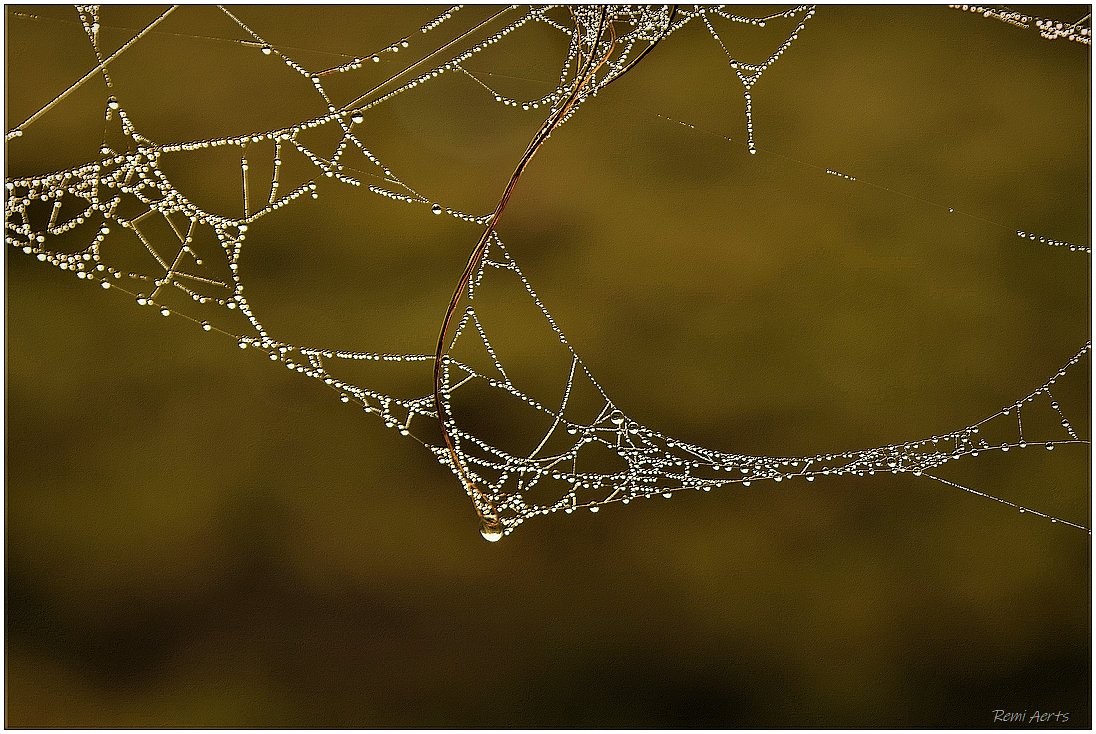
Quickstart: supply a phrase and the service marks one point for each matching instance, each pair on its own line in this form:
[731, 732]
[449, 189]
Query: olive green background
[197, 539]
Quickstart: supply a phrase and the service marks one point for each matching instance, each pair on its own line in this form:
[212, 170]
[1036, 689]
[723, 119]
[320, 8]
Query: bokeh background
[196, 539]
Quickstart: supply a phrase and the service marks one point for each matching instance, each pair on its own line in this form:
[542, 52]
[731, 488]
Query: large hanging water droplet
[491, 533]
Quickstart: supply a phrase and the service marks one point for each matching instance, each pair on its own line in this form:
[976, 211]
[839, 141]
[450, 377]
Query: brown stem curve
[485, 508]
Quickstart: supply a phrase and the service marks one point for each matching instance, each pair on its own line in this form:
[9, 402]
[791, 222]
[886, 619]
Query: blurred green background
[196, 539]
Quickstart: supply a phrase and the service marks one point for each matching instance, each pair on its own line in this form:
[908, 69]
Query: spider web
[122, 222]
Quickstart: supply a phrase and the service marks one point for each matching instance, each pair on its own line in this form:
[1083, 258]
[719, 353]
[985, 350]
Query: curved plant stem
[485, 508]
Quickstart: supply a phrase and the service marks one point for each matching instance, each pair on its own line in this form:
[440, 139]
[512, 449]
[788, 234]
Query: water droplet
[436, 208]
[267, 50]
[617, 418]
[112, 103]
[358, 119]
[491, 533]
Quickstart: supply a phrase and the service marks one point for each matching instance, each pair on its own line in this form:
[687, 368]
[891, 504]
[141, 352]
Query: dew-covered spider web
[124, 221]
